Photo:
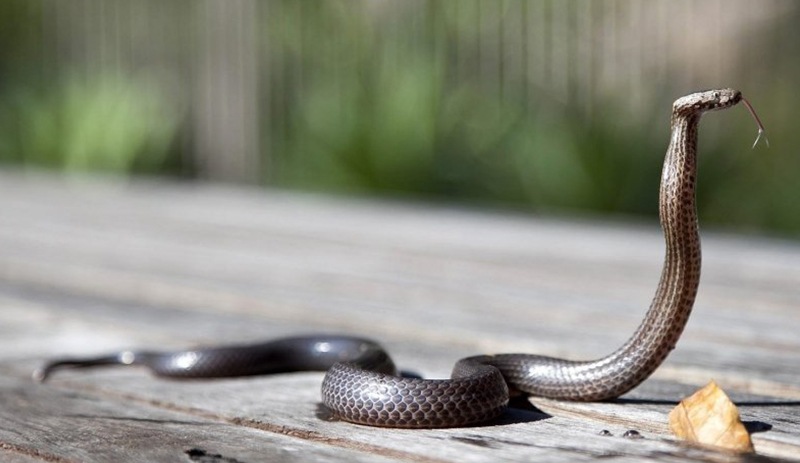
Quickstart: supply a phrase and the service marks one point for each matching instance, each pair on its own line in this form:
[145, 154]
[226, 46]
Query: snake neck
[672, 304]
[656, 336]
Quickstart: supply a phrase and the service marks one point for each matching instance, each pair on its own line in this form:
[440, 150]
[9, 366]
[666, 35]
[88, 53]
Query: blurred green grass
[380, 110]
[106, 124]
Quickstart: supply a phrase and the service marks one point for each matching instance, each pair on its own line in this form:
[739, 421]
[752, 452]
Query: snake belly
[362, 386]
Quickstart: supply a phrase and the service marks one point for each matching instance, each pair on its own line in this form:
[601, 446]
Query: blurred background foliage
[548, 106]
[107, 123]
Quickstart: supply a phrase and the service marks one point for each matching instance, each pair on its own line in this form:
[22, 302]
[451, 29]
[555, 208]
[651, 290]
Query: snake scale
[362, 386]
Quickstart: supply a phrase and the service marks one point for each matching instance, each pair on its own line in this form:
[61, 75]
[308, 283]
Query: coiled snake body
[361, 385]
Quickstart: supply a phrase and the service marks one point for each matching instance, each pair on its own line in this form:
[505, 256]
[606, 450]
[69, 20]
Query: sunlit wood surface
[89, 267]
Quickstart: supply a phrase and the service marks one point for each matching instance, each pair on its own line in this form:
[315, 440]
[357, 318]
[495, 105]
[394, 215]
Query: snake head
[709, 100]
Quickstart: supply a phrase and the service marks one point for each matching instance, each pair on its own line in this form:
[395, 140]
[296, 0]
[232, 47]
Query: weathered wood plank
[63, 426]
[12, 455]
[287, 405]
[95, 267]
[549, 296]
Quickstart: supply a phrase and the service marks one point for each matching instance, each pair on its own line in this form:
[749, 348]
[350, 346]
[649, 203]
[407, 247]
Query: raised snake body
[361, 384]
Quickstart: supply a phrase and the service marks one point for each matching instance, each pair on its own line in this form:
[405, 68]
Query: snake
[362, 384]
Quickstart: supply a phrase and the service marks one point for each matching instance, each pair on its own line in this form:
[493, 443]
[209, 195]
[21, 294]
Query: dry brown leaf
[709, 417]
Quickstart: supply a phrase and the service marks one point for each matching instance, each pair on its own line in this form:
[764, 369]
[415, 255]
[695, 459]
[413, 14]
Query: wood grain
[89, 266]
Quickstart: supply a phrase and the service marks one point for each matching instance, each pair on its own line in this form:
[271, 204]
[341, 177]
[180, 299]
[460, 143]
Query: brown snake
[361, 385]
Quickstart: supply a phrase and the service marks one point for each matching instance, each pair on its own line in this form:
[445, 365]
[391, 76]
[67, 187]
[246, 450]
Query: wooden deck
[90, 267]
